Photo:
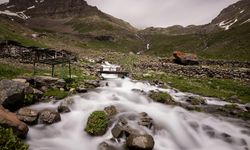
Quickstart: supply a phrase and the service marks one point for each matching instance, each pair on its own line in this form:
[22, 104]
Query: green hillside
[232, 44]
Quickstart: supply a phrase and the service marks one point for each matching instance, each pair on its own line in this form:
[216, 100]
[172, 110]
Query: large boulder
[12, 94]
[10, 120]
[185, 58]
[97, 124]
[28, 116]
[140, 142]
[49, 117]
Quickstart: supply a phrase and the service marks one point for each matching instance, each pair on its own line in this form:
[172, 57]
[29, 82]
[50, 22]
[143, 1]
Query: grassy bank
[211, 87]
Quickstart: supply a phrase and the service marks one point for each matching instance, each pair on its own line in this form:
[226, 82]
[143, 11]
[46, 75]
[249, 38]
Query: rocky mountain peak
[36, 8]
[235, 14]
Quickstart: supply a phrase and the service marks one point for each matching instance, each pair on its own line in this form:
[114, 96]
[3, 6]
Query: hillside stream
[174, 127]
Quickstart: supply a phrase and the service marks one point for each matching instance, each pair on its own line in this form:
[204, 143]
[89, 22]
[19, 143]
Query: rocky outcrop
[49, 117]
[140, 142]
[12, 94]
[215, 71]
[49, 82]
[10, 120]
[28, 116]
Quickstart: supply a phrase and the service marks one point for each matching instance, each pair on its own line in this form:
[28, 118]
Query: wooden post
[69, 70]
[52, 73]
[34, 68]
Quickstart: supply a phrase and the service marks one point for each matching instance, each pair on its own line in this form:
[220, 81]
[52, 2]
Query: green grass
[10, 71]
[120, 45]
[7, 34]
[57, 93]
[232, 44]
[211, 87]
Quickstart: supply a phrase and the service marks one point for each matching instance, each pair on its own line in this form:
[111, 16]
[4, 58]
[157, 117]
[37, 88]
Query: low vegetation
[211, 87]
[56, 93]
[9, 141]
[97, 123]
[10, 71]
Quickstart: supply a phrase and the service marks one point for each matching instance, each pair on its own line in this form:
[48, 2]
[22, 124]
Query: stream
[174, 127]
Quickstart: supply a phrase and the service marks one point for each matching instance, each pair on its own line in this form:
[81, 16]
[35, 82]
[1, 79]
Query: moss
[29, 99]
[196, 100]
[9, 141]
[161, 97]
[97, 123]
[57, 93]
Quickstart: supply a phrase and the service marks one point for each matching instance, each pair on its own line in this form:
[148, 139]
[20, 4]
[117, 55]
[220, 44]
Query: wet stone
[140, 142]
[28, 116]
[117, 131]
[110, 111]
[105, 146]
[49, 117]
[63, 109]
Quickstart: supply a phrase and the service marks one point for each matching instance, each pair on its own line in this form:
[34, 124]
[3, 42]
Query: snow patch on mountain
[248, 20]
[9, 13]
[242, 11]
[11, 6]
[227, 24]
[31, 7]
[17, 14]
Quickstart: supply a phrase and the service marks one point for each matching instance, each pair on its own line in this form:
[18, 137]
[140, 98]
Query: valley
[187, 88]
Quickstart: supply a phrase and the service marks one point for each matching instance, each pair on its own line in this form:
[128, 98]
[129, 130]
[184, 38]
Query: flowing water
[174, 127]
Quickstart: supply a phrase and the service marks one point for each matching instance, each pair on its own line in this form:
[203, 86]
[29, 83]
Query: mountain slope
[226, 37]
[73, 21]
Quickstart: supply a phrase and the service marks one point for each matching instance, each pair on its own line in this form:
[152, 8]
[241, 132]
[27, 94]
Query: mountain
[232, 16]
[226, 37]
[74, 24]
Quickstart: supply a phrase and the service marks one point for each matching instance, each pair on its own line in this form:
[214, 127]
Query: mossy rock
[162, 97]
[97, 124]
[9, 141]
[196, 100]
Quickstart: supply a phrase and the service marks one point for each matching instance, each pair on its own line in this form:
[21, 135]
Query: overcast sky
[162, 13]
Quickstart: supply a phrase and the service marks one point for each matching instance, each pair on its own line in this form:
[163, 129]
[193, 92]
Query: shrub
[9, 141]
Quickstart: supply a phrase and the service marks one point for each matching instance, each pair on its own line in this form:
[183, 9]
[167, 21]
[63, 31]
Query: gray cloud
[163, 13]
[3, 1]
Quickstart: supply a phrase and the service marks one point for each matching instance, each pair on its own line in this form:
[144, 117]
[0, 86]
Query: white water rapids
[172, 124]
